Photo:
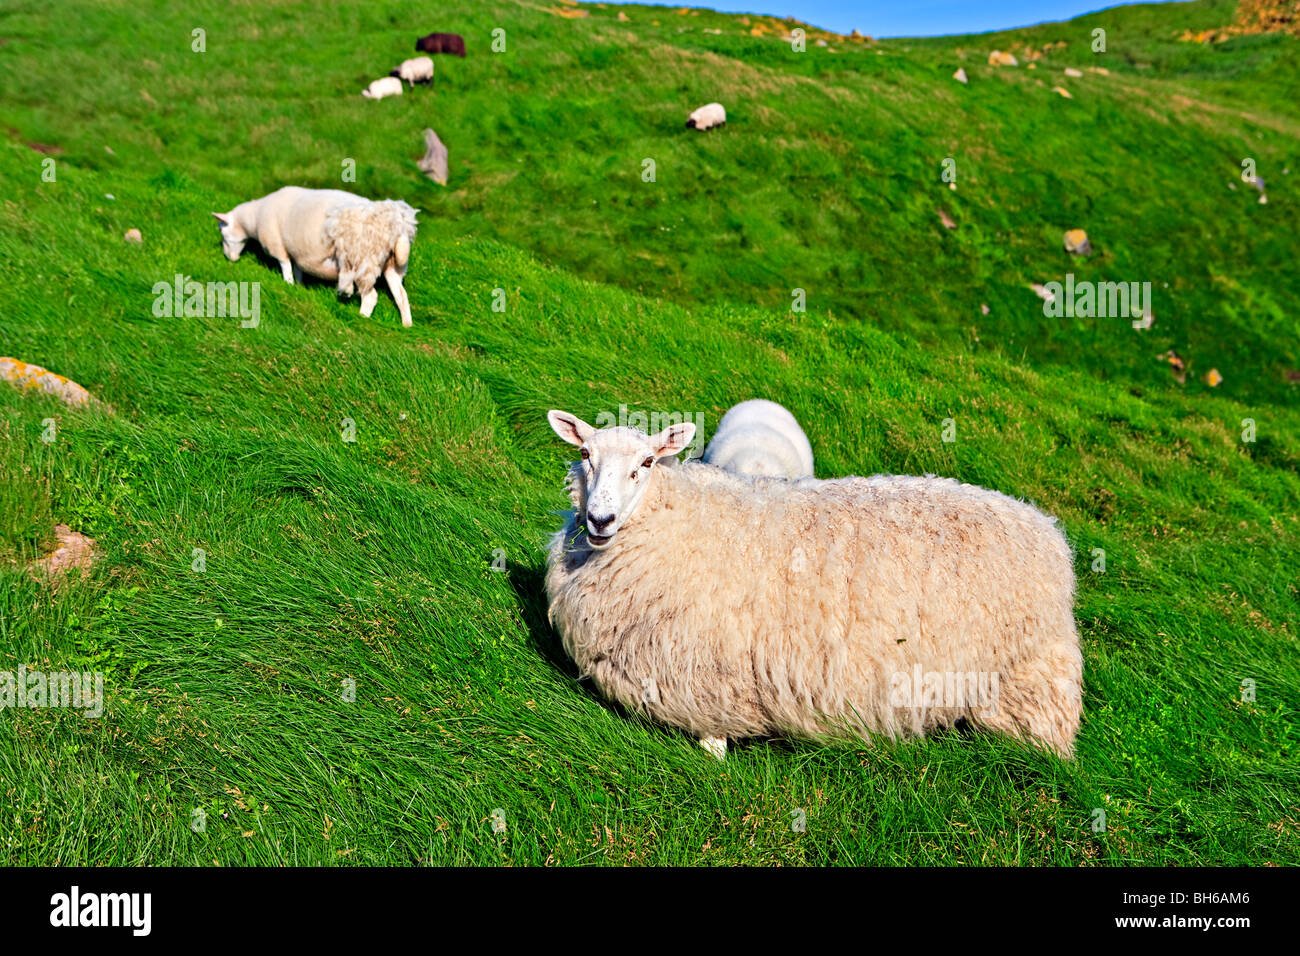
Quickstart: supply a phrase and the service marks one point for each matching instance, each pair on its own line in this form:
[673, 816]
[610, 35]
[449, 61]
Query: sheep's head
[615, 471]
[232, 236]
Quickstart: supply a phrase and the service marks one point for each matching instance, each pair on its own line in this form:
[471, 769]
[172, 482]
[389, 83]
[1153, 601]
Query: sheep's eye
[585, 454]
[647, 463]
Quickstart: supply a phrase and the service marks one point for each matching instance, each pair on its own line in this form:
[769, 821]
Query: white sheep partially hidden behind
[384, 86]
[734, 607]
[707, 117]
[761, 439]
[415, 70]
[329, 234]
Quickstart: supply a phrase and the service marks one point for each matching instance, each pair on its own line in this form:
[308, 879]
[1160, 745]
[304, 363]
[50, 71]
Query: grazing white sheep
[416, 70]
[707, 117]
[329, 234]
[761, 439]
[735, 607]
[384, 86]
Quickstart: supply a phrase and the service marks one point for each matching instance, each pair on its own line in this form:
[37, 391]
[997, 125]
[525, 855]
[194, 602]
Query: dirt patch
[74, 550]
[1253, 16]
[49, 149]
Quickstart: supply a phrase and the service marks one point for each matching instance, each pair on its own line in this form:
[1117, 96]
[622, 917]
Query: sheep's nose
[599, 524]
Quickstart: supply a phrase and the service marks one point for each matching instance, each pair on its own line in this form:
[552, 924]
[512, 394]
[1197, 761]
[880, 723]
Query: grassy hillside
[327, 561]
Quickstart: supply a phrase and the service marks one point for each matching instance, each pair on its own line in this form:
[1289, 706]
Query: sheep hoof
[368, 302]
[715, 745]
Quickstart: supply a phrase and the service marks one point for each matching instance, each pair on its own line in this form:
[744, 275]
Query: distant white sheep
[330, 234]
[733, 607]
[761, 439]
[416, 70]
[384, 86]
[707, 117]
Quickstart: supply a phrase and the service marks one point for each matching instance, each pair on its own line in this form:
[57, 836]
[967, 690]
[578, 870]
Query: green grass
[371, 561]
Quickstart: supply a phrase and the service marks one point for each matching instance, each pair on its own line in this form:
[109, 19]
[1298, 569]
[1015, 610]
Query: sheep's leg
[394, 279]
[297, 275]
[368, 301]
[715, 745]
[287, 270]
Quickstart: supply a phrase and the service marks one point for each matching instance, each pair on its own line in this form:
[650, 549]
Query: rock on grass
[26, 376]
[74, 552]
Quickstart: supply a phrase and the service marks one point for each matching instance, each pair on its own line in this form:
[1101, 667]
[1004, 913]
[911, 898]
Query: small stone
[623, 17]
[1213, 378]
[1044, 293]
[1000, 58]
[1063, 91]
[1263, 200]
[952, 186]
[1076, 243]
[133, 235]
[1071, 71]
[984, 309]
[960, 76]
[1099, 70]
[1177, 365]
[946, 220]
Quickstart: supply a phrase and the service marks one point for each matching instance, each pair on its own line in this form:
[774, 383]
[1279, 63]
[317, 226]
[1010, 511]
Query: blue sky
[914, 18]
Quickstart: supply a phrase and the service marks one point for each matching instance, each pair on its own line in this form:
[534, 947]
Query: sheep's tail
[365, 237]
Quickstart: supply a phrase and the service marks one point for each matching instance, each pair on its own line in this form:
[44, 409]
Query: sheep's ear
[222, 217]
[672, 439]
[569, 427]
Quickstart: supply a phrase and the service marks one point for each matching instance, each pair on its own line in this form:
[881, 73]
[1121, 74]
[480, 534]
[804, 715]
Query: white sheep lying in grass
[761, 439]
[734, 607]
[707, 117]
[384, 86]
[329, 234]
[415, 70]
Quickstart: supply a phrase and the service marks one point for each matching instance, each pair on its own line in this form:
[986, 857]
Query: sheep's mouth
[599, 540]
